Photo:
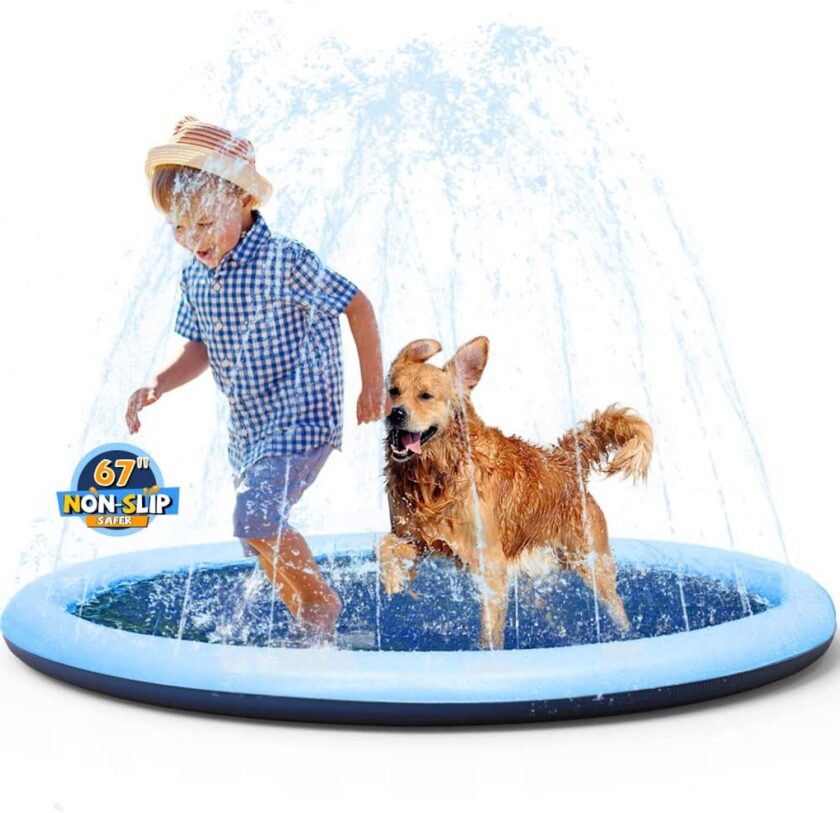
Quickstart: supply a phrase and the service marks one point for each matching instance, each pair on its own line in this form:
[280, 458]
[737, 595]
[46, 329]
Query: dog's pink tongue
[411, 440]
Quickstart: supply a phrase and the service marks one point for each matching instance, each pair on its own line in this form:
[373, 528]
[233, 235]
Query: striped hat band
[213, 150]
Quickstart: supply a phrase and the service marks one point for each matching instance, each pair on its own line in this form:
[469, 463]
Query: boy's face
[209, 226]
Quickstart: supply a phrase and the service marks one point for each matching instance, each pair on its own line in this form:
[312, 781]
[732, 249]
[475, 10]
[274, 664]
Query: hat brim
[236, 170]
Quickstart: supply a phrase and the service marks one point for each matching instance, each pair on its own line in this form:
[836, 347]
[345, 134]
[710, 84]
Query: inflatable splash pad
[198, 628]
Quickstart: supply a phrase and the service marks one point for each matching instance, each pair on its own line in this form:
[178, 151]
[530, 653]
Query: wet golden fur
[523, 495]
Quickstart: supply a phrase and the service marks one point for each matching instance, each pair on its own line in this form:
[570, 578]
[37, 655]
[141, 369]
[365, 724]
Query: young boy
[263, 313]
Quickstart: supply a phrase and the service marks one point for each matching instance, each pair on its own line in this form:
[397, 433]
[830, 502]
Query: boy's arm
[373, 402]
[322, 288]
[191, 362]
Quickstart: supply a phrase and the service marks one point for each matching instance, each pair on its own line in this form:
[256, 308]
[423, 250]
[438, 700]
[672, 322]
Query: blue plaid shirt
[269, 317]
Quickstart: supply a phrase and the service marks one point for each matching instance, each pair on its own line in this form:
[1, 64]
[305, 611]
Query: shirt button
[226, 362]
[217, 287]
[233, 262]
[232, 401]
[218, 326]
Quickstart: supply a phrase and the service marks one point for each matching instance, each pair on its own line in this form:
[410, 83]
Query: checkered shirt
[269, 317]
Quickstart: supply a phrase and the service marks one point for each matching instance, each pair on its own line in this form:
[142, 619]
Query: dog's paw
[393, 579]
[396, 558]
[494, 640]
[619, 617]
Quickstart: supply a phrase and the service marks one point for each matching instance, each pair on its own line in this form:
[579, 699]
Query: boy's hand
[139, 399]
[373, 404]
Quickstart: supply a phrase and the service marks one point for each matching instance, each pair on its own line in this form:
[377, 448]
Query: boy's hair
[176, 187]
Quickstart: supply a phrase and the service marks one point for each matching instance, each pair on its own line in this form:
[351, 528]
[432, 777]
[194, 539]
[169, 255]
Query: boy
[263, 313]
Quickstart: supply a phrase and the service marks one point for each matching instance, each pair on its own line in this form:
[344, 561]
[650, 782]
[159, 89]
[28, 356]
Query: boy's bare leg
[298, 581]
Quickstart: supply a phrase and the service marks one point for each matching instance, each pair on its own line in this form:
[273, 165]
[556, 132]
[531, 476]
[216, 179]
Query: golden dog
[461, 488]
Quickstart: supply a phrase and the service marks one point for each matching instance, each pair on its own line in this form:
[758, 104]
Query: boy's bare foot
[321, 614]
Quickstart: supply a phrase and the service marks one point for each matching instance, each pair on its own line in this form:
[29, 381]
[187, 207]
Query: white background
[735, 110]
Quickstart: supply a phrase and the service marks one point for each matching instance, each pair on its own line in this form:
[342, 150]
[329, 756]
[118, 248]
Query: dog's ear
[419, 350]
[468, 363]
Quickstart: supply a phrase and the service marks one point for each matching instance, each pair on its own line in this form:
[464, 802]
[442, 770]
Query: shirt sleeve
[186, 324]
[319, 286]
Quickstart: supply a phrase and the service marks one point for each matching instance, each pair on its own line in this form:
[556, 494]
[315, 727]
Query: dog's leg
[494, 605]
[396, 558]
[605, 589]
[603, 578]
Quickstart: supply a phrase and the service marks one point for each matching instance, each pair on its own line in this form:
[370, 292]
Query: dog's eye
[426, 396]
[394, 392]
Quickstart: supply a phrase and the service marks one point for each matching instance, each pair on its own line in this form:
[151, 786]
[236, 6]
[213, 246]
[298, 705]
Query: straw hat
[214, 150]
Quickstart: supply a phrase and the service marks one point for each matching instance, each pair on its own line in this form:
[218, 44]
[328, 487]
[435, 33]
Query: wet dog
[461, 488]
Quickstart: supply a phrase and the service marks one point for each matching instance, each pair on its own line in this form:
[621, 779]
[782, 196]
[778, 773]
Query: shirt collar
[244, 251]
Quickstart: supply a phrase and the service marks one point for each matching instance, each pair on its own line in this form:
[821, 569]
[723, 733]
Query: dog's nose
[397, 416]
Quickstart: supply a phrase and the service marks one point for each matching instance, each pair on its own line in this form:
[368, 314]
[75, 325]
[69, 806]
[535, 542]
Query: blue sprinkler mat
[200, 628]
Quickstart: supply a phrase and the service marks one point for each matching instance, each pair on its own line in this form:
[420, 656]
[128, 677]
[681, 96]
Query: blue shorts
[267, 490]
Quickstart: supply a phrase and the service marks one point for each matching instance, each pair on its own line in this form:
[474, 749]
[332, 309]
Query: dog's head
[425, 398]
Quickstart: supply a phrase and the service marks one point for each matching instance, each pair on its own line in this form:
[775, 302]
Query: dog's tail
[614, 441]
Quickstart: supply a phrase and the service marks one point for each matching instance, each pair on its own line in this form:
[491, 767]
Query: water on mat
[235, 604]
